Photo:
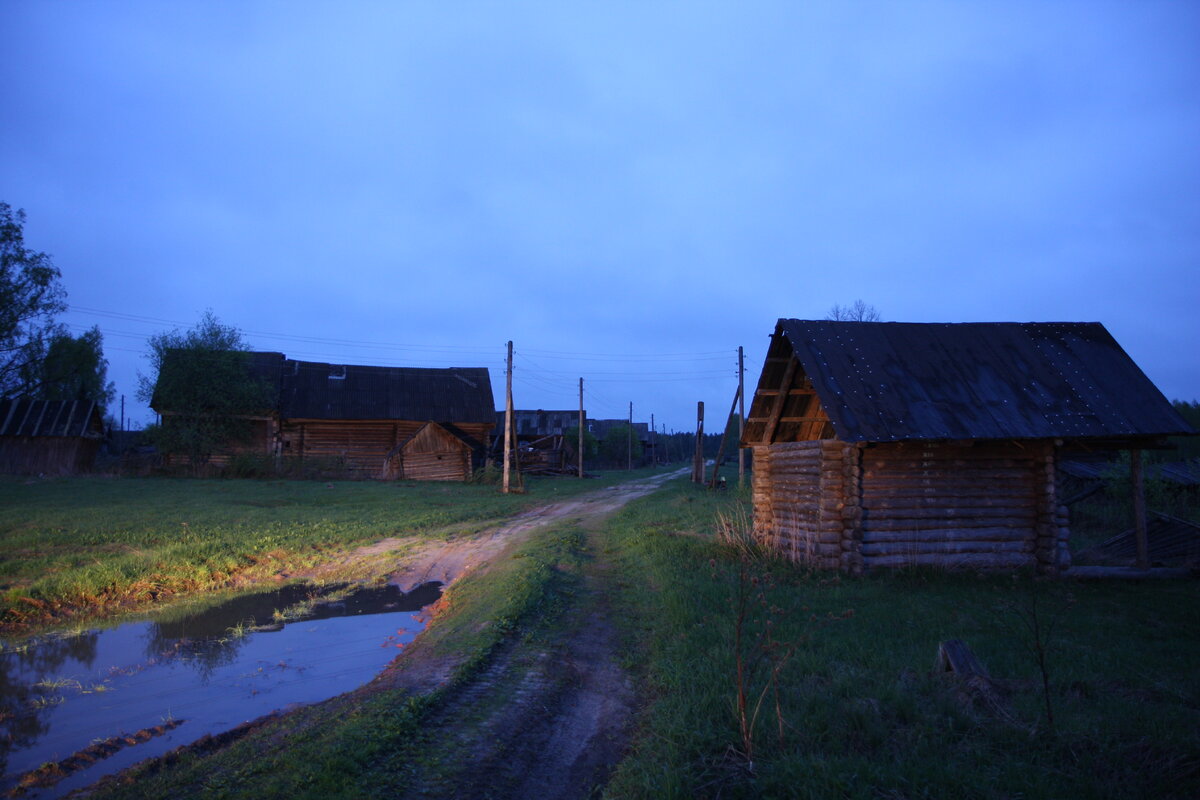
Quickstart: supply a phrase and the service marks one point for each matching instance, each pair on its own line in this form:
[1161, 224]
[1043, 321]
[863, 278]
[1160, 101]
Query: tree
[591, 447]
[73, 368]
[856, 312]
[203, 387]
[30, 297]
[614, 448]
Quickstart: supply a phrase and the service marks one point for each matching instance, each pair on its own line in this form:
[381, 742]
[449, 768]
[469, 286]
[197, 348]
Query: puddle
[138, 690]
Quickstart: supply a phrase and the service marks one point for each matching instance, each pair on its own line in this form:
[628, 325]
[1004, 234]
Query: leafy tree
[73, 368]
[591, 447]
[203, 387]
[30, 297]
[856, 312]
[614, 448]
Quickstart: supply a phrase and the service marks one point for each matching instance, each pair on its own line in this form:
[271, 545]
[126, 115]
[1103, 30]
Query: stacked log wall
[799, 499]
[360, 446]
[988, 505]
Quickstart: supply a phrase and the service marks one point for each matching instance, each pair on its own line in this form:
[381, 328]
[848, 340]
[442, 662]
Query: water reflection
[215, 669]
[25, 698]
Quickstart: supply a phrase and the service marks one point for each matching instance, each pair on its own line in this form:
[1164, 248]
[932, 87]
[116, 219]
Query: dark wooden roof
[893, 381]
[317, 390]
[68, 418]
[312, 390]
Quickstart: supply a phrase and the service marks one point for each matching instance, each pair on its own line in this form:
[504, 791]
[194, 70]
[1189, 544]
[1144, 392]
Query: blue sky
[628, 191]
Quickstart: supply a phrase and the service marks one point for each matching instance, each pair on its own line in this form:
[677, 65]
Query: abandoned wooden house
[880, 444]
[49, 437]
[373, 422]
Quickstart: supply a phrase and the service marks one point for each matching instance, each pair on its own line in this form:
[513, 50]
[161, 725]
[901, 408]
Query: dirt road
[548, 717]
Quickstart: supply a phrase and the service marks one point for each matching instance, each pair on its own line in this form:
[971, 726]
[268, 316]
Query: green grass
[90, 544]
[865, 713]
[865, 716]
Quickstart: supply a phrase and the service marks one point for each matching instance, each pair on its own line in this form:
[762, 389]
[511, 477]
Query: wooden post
[653, 441]
[698, 458]
[741, 417]
[629, 459]
[721, 450]
[581, 427]
[508, 414]
[1139, 509]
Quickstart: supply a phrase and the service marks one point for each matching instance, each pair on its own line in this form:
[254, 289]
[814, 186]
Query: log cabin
[371, 422]
[886, 444]
[49, 437]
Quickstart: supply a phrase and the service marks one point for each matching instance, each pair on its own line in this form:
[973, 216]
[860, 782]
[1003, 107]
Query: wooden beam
[777, 411]
[776, 392]
[1139, 509]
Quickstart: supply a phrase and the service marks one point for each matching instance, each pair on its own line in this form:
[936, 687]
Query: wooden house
[367, 420]
[49, 437]
[882, 444]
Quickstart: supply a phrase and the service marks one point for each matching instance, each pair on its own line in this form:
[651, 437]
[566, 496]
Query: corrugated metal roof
[67, 418]
[313, 390]
[892, 381]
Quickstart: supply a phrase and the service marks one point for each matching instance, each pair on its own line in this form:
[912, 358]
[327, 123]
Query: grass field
[863, 713]
[84, 545]
[856, 707]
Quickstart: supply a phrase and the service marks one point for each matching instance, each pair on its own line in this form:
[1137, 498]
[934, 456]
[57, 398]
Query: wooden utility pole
[654, 440]
[741, 417]
[724, 434]
[1139, 509]
[508, 415]
[581, 421]
[629, 461]
[698, 458]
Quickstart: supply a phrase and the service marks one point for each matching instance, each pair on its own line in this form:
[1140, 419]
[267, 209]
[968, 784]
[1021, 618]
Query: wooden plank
[777, 410]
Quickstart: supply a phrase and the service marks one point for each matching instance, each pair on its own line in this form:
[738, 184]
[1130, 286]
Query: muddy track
[544, 719]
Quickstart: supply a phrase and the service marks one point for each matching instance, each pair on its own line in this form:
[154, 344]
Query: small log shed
[49, 437]
[433, 453]
[886, 444]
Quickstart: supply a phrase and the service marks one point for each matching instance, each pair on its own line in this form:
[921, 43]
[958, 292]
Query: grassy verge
[377, 743]
[87, 545]
[863, 712]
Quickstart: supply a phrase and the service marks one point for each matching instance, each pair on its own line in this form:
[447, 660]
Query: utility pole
[654, 440]
[741, 418]
[629, 462]
[122, 414]
[508, 414]
[698, 458]
[581, 427]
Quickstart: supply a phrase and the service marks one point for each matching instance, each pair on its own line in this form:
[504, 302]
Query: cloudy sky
[628, 191]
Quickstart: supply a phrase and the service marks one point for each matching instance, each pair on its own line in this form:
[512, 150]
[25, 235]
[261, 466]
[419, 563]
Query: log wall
[853, 507]
[361, 446]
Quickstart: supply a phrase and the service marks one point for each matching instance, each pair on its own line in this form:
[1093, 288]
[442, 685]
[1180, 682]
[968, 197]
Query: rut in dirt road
[545, 719]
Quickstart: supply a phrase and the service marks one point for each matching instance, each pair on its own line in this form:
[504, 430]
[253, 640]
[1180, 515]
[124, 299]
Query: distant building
[370, 421]
[49, 437]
